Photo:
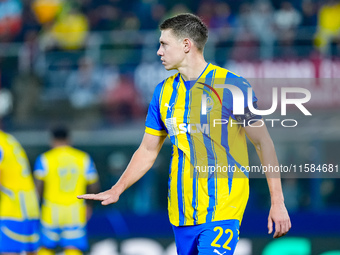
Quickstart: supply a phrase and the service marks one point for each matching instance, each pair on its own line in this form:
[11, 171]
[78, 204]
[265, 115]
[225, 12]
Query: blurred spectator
[143, 10]
[85, 87]
[123, 103]
[245, 41]
[244, 17]
[309, 17]
[69, 31]
[262, 21]
[206, 12]
[10, 19]
[222, 16]
[328, 26]
[156, 16]
[287, 20]
[105, 18]
[46, 10]
[223, 20]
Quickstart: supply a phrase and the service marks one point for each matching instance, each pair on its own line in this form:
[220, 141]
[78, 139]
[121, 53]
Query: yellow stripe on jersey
[172, 200]
[155, 132]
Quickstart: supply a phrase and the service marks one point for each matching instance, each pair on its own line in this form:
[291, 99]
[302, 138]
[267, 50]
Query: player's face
[170, 50]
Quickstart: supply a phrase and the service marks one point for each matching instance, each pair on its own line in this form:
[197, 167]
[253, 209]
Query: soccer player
[61, 173]
[19, 208]
[208, 187]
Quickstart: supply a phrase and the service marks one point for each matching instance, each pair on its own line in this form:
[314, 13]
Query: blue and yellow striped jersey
[209, 146]
[18, 197]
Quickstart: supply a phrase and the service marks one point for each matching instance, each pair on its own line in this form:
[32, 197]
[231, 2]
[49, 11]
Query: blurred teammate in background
[205, 208]
[62, 173]
[19, 208]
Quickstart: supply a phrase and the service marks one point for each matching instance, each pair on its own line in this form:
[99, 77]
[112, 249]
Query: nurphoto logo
[239, 102]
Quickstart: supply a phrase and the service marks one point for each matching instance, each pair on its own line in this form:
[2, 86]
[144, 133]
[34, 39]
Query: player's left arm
[264, 146]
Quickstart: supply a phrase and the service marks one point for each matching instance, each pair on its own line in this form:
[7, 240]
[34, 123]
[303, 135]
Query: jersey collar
[191, 83]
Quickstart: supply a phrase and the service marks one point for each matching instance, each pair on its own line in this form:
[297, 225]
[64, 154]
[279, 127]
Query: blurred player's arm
[141, 161]
[39, 184]
[264, 146]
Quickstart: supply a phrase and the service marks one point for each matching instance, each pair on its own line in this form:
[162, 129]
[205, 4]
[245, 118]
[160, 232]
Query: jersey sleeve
[40, 169]
[91, 172]
[154, 124]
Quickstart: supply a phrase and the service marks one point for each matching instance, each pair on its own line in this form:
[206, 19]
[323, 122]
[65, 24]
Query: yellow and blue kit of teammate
[65, 172]
[19, 208]
[205, 206]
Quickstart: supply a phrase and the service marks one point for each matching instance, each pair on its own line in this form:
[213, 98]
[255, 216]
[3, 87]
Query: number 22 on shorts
[220, 233]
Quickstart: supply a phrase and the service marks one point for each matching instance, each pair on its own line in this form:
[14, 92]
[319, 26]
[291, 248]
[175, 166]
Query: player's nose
[160, 52]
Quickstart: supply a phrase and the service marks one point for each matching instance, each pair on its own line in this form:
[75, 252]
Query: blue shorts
[219, 237]
[75, 237]
[19, 236]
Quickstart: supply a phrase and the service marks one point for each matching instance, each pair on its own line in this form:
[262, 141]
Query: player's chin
[168, 67]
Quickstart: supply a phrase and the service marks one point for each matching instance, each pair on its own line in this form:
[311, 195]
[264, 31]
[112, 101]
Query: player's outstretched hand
[279, 215]
[107, 197]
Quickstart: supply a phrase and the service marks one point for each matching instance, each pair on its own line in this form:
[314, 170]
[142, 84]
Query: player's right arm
[141, 161]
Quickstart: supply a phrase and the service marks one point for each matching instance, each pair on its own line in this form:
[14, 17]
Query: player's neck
[59, 143]
[193, 67]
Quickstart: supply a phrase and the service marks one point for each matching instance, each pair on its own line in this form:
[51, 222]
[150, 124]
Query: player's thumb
[270, 225]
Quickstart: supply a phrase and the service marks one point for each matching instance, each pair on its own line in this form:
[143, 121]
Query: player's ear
[187, 45]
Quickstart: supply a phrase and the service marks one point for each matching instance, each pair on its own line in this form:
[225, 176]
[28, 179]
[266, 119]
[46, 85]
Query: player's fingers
[277, 230]
[284, 229]
[92, 196]
[289, 224]
[110, 200]
[270, 225]
[86, 196]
